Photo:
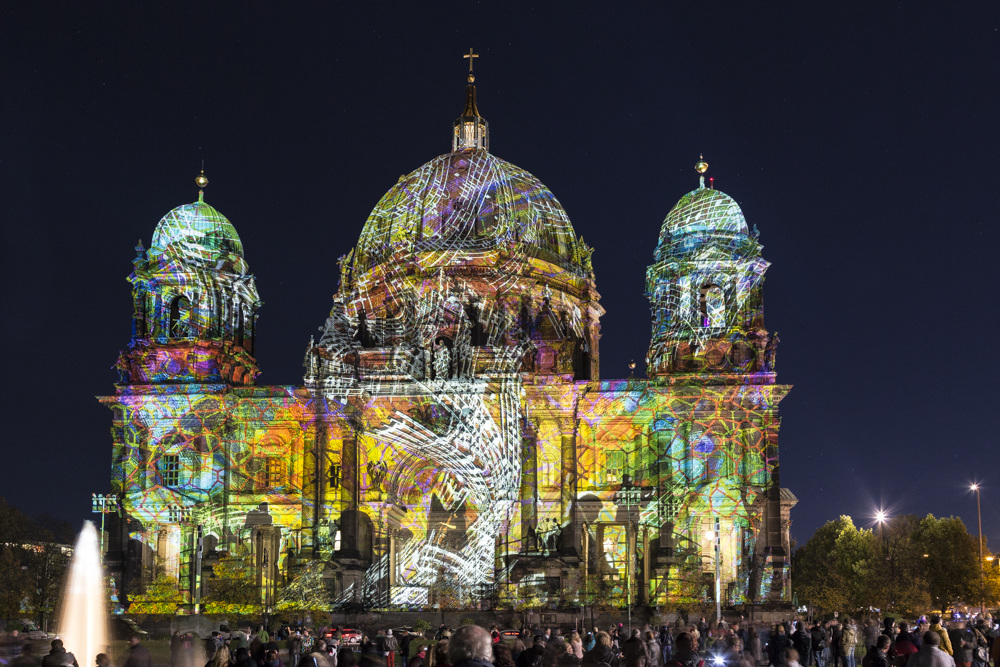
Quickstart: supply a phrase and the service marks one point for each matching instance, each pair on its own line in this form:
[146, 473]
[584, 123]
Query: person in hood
[391, 645]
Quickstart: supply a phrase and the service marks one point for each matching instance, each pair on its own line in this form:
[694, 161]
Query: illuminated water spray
[83, 621]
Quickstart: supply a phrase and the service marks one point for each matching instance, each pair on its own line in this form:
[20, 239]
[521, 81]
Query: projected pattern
[452, 443]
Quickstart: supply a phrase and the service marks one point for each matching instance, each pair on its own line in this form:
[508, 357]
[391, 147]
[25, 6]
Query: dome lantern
[471, 131]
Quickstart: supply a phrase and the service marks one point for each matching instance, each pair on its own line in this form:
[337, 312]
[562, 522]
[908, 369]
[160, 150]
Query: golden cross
[470, 55]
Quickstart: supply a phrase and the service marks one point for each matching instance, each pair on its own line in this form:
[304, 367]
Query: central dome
[468, 199]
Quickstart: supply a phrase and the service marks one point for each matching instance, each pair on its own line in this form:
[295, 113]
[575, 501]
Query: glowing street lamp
[982, 580]
[880, 518]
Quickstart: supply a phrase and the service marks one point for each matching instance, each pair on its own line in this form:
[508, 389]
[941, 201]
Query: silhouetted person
[59, 657]
[138, 655]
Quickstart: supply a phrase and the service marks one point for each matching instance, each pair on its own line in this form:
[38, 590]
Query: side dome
[468, 200]
[197, 234]
[700, 216]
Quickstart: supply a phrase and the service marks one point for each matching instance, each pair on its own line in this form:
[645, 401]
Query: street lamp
[982, 581]
[103, 505]
[716, 537]
[880, 518]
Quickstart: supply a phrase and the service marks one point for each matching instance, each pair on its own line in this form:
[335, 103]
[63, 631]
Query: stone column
[529, 488]
[568, 541]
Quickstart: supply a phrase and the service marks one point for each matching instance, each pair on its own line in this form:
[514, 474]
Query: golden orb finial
[201, 181]
[702, 166]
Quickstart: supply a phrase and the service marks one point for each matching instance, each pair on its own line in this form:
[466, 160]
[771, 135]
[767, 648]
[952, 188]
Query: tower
[718, 431]
[179, 439]
[704, 289]
[194, 303]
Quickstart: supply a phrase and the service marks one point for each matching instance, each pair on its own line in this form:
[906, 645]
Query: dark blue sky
[860, 137]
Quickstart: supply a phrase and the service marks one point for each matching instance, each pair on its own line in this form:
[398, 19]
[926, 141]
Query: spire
[701, 168]
[471, 131]
[201, 181]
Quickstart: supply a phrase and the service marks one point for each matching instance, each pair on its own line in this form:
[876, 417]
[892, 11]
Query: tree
[234, 581]
[831, 570]
[903, 568]
[163, 596]
[13, 582]
[46, 570]
[898, 576]
[951, 560]
[32, 566]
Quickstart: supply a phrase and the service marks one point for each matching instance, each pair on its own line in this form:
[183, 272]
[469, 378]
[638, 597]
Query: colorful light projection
[705, 292]
[467, 274]
[194, 303]
[451, 442]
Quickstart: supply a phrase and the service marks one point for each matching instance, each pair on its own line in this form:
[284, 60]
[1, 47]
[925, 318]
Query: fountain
[83, 620]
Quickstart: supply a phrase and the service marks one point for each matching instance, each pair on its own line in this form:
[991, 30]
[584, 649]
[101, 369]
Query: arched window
[180, 314]
[476, 333]
[712, 306]
[239, 324]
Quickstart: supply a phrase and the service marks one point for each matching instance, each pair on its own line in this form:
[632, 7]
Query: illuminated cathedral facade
[453, 444]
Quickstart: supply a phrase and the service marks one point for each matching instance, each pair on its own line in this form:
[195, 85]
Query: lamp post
[880, 518]
[718, 572]
[982, 578]
[103, 505]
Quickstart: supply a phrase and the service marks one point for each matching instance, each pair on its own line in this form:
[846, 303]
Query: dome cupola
[702, 216]
[197, 235]
[194, 302]
[704, 289]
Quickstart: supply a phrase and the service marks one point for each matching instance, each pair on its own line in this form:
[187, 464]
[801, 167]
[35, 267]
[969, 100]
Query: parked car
[350, 635]
[29, 630]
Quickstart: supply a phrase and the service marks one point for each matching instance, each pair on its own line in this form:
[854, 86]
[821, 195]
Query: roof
[467, 199]
[195, 233]
[702, 215]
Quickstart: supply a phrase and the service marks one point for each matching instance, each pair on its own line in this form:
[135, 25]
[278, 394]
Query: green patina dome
[701, 216]
[472, 200]
[195, 233]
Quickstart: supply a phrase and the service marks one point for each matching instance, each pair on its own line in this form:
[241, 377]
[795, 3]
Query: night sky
[860, 137]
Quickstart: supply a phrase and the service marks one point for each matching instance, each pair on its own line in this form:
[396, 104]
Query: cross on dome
[470, 55]
[471, 129]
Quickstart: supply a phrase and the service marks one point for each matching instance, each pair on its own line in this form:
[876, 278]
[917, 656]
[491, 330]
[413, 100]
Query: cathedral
[452, 444]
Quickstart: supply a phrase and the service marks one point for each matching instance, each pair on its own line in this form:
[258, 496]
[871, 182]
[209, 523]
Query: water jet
[83, 619]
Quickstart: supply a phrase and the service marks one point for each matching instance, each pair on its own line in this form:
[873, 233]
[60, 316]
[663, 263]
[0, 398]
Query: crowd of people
[838, 642]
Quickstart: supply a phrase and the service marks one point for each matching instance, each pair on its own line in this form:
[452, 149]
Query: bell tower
[704, 289]
[194, 303]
